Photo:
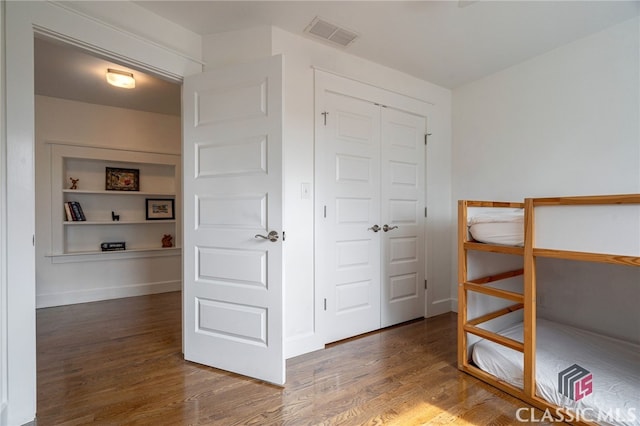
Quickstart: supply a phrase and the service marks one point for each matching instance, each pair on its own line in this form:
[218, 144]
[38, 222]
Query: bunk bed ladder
[478, 285]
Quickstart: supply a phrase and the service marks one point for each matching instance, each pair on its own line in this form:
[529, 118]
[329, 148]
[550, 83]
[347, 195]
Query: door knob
[387, 228]
[374, 228]
[271, 236]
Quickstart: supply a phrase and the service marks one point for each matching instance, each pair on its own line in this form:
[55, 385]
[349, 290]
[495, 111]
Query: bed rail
[587, 256]
[587, 200]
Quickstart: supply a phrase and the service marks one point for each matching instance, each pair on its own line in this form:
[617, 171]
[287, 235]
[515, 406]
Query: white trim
[128, 33]
[91, 49]
[97, 294]
[351, 87]
[302, 344]
[113, 255]
[3, 413]
[454, 305]
[3, 229]
[110, 148]
[438, 307]
[348, 77]
[21, 20]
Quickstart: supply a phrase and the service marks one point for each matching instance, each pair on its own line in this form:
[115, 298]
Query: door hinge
[325, 212]
[425, 284]
[325, 304]
[325, 116]
[33, 240]
[426, 136]
[284, 236]
[425, 211]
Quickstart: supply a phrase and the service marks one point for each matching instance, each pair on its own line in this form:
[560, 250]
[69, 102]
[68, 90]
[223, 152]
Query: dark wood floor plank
[119, 362]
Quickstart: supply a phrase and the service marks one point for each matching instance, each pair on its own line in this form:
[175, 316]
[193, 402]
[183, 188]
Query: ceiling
[449, 43]
[64, 71]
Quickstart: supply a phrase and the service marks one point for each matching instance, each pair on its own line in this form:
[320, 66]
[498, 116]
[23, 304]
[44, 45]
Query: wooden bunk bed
[470, 330]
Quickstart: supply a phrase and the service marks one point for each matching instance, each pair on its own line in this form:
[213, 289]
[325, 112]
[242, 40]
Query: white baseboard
[94, 295]
[3, 414]
[454, 305]
[439, 307]
[302, 344]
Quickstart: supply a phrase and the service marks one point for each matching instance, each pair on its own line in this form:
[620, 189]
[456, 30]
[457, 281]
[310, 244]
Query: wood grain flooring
[119, 362]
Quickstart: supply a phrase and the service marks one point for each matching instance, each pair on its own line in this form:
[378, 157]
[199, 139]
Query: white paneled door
[350, 236]
[402, 205]
[233, 295]
[371, 236]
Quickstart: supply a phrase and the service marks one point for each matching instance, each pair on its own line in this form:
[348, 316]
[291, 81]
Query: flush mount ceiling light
[120, 79]
[331, 32]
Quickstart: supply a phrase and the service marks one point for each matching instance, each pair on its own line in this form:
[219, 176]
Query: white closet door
[350, 258]
[233, 296]
[402, 204]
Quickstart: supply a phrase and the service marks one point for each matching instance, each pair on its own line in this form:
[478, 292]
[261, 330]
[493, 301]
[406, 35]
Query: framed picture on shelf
[122, 179]
[160, 209]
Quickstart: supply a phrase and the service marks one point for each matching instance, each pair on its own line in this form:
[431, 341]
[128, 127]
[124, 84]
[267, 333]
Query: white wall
[563, 123]
[65, 121]
[300, 54]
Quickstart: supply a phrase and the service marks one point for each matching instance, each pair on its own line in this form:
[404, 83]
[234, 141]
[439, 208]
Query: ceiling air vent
[331, 32]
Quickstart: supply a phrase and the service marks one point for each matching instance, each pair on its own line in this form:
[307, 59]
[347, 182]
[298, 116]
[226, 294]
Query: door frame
[327, 81]
[23, 20]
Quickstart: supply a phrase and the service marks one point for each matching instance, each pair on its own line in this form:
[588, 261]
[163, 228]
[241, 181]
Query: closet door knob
[374, 228]
[387, 228]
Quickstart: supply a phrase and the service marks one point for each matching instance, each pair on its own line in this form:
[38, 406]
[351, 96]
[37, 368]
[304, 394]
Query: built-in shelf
[92, 256]
[116, 222]
[129, 193]
[74, 241]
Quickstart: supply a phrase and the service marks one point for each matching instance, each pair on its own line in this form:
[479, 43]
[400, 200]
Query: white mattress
[498, 226]
[614, 364]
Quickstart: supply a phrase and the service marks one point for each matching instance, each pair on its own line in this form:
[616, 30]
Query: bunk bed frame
[525, 301]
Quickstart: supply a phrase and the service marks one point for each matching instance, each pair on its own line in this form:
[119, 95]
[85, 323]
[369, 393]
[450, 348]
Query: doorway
[82, 126]
[85, 127]
[22, 20]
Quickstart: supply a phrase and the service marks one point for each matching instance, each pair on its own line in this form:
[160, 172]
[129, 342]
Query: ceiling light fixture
[120, 79]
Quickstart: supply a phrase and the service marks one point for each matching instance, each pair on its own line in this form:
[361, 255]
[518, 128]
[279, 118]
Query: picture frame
[118, 179]
[160, 209]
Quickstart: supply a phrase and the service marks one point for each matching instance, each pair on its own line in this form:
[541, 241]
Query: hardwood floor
[119, 362]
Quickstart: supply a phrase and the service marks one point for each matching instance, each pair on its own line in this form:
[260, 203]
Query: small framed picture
[122, 179]
[160, 209]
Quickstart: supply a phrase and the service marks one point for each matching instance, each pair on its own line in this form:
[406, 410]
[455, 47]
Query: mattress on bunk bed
[614, 365]
[505, 227]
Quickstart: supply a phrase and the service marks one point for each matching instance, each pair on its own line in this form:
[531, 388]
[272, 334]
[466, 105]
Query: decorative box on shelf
[114, 246]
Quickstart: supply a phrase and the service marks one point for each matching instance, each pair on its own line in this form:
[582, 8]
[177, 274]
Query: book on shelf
[67, 211]
[74, 211]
